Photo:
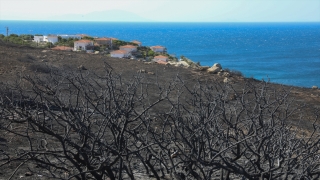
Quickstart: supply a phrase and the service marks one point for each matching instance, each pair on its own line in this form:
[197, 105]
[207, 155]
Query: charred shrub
[42, 68]
[234, 72]
[27, 58]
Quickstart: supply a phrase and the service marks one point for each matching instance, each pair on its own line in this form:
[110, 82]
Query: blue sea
[285, 53]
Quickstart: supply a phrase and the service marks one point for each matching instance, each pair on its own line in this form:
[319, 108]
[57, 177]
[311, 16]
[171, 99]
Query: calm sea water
[286, 53]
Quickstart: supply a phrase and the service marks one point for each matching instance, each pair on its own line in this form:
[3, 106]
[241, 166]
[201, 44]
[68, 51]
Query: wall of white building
[82, 45]
[38, 39]
[52, 39]
[115, 55]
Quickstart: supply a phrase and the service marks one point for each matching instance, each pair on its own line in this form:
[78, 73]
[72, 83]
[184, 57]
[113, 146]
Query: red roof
[160, 56]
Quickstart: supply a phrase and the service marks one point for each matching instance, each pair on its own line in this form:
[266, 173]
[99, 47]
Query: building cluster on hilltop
[86, 43]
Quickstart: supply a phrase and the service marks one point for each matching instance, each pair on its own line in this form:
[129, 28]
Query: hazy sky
[173, 10]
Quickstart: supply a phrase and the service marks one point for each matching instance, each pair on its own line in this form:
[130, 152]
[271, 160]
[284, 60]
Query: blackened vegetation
[26, 58]
[42, 68]
[84, 126]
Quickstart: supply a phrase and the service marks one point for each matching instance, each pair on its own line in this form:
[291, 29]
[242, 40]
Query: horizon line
[168, 21]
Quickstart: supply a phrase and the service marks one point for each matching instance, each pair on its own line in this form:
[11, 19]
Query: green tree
[13, 35]
[151, 53]
[26, 36]
[49, 45]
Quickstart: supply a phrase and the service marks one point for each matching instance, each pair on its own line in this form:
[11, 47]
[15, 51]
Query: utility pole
[7, 31]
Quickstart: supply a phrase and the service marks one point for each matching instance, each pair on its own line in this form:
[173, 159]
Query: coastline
[279, 52]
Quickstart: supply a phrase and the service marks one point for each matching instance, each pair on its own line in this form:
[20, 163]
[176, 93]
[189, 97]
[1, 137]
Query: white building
[128, 48]
[38, 39]
[83, 45]
[160, 49]
[50, 38]
[120, 54]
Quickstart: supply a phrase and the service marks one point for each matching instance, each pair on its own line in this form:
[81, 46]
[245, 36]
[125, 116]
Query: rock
[217, 65]
[213, 70]
[314, 87]
[226, 80]
[203, 68]
[152, 73]
[226, 74]
[182, 64]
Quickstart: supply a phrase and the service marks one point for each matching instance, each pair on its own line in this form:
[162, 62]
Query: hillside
[71, 115]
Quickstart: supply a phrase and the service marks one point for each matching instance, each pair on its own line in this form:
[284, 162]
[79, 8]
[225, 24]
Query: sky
[163, 10]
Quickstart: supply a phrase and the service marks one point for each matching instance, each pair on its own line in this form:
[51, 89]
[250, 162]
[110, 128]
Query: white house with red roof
[158, 48]
[128, 48]
[83, 45]
[161, 58]
[119, 54]
[137, 43]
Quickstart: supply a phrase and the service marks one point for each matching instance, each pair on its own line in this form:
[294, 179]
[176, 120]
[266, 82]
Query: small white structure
[159, 49]
[120, 54]
[83, 45]
[38, 39]
[137, 43]
[50, 38]
[160, 58]
[128, 48]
